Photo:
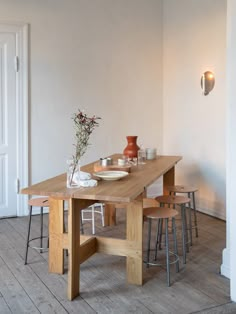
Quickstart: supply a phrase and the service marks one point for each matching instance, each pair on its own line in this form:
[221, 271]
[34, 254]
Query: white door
[13, 118]
[8, 108]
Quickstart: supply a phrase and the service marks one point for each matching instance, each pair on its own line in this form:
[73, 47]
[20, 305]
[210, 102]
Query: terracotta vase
[131, 150]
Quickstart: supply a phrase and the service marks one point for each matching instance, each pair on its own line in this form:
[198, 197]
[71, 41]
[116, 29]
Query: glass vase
[73, 174]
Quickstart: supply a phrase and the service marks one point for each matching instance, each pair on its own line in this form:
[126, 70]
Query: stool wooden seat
[150, 202]
[39, 202]
[36, 202]
[180, 201]
[160, 214]
[181, 189]
[172, 199]
[190, 191]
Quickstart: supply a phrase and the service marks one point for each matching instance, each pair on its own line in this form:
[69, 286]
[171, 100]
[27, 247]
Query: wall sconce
[207, 82]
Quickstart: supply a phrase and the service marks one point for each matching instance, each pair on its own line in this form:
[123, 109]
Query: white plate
[111, 175]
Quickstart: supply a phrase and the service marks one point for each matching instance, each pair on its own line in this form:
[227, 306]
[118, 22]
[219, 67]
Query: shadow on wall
[211, 184]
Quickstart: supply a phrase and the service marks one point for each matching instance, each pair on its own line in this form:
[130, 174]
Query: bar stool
[41, 202]
[190, 191]
[92, 209]
[181, 201]
[160, 214]
[38, 202]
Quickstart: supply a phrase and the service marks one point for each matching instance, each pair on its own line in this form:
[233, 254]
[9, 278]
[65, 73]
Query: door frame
[21, 30]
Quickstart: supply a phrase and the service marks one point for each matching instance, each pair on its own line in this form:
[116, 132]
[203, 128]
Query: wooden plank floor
[197, 288]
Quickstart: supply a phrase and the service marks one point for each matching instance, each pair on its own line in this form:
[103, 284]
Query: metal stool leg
[175, 244]
[160, 234]
[28, 235]
[102, 213]
[161, 227]
[195, 215]
[149, 240]
[185, 228]
[190, 221]
[93, 219]
[183, 233]
[41, 229]
[157, 237]
[167, 252]
[81, 223]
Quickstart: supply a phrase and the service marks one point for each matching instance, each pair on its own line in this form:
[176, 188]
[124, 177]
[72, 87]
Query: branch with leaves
[84, 127]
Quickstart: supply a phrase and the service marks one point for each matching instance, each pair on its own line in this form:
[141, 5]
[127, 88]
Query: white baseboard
[212, 212]
[36, 210]
[225, 266]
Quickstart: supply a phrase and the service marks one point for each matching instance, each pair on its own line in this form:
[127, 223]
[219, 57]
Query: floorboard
[13, 293]
[4, 309]
[197, 288]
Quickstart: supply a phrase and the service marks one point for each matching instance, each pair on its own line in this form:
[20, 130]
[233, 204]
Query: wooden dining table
[128, 191]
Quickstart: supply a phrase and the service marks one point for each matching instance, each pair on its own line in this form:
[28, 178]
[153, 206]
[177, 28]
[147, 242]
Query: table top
[123, 190]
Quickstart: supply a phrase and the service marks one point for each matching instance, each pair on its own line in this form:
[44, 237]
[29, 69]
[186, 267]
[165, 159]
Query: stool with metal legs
[41, 202]
[160, 214]
[181, 201]
[190, 192]
[37, 202]
[92, 209]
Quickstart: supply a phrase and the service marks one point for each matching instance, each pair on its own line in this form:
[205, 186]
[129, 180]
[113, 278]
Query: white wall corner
[225, 266]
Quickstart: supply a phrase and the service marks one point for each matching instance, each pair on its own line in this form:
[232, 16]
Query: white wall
[104, 56]
[194, 41]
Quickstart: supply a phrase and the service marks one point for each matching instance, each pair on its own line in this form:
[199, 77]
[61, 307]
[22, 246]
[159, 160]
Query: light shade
[207, 82]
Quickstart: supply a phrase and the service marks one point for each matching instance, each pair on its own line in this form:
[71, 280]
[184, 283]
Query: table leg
[74, 212]
[74, 247]
[110, 214]
[168, 179]
[56, 224]
[134, 233]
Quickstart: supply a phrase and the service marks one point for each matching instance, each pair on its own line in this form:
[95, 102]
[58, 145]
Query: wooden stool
[190, 191]
[37, 202]
[160, 214]
[181, 201]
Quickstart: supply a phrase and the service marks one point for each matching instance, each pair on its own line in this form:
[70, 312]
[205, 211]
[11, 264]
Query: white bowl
[111, 175]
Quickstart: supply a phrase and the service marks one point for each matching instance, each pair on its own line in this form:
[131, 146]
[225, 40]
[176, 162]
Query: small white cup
[121, 162]
[151, 153]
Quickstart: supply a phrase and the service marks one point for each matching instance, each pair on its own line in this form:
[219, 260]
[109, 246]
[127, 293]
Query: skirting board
[212, 212]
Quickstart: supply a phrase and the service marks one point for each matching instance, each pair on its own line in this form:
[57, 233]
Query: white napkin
[88, 183]
[84, 179]
[85, 175]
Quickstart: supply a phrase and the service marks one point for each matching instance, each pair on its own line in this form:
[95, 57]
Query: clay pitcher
[131, 150]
